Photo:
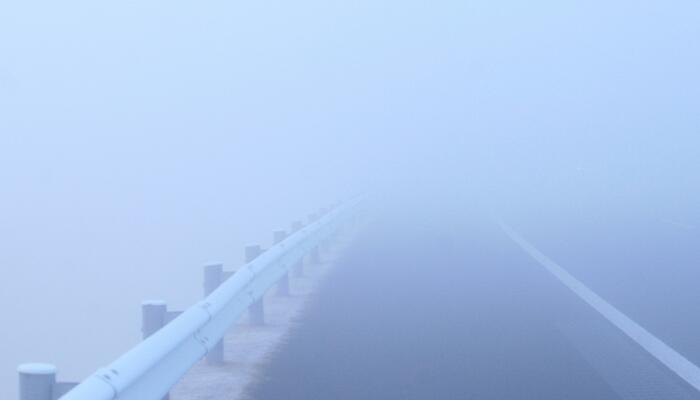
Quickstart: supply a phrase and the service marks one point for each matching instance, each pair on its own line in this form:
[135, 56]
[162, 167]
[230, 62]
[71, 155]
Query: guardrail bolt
[283, 285]
[213, 278]
[256, 310]
[298, 268]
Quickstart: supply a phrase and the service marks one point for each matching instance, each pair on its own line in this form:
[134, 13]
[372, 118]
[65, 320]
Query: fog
[142, 140]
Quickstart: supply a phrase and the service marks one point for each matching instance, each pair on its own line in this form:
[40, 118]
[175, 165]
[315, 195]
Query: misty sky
[139, 138]
[174, 96]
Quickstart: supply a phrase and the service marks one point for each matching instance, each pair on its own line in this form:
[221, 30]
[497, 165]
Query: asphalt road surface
[455, 312]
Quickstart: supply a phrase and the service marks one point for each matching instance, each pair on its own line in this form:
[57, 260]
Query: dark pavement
[454, 312]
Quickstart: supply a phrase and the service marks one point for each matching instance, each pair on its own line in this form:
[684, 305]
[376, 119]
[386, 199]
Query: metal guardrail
[150, 369]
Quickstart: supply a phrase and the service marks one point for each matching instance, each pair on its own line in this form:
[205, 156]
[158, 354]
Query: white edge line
[680, 365]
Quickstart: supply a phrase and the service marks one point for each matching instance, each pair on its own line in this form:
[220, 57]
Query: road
[455, 312]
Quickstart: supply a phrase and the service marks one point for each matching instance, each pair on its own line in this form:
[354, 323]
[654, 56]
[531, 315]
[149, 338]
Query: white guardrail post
[256, 311]
[283, 285]
[38, 382]
[174, 341]
[154, 316]
[298, 268]
[214, 276]
[314, 257]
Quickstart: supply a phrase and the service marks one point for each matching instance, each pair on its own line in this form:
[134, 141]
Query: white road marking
[680, 365]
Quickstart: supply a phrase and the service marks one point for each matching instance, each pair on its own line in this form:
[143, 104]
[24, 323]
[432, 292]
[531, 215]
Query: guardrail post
[283, 285]
[153, 314]
[160, 359]
[298, 268]
[256, 310]
[213, 278]
[36, 381]
[314, 257]
[313, 217]
[325, 243]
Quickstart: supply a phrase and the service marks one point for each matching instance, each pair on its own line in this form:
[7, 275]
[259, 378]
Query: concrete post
[313, 217]
[153, 316]
[213, 278]
[256, 311]
[314, 257]
[252, 252]
[283, 285]
[278, 236]
[298, 268]
[326, 243]
[36, 381]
